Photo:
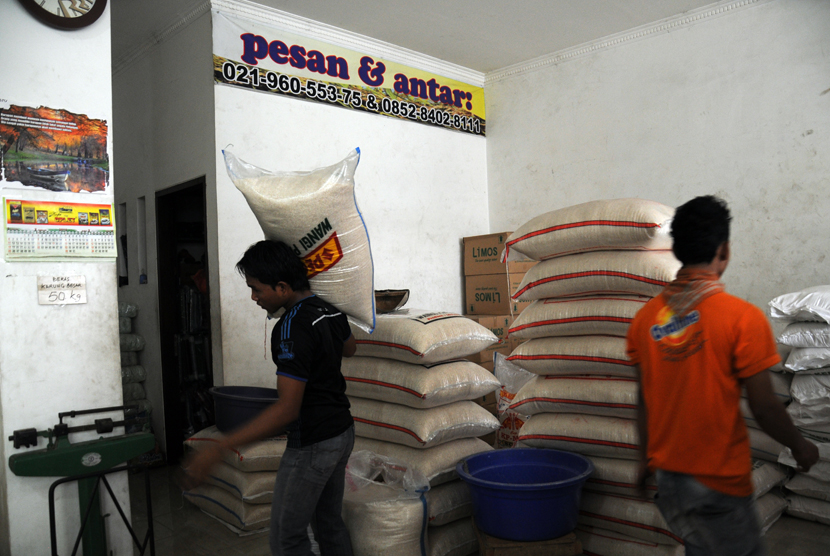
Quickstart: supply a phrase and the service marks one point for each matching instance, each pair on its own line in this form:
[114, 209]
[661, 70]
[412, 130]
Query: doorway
[184, 313]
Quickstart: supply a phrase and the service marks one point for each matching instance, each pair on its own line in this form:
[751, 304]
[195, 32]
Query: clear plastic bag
[316, 214]
[512, 378]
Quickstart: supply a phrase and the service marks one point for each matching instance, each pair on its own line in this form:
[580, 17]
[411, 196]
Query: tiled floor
[183, 530]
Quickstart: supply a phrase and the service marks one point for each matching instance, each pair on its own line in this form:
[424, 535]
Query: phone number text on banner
[274, 61]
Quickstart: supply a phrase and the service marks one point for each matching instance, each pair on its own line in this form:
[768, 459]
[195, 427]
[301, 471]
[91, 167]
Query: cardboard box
[482, 255]
[488, 365]
[486, 355]
[497, 324]
[489, 294]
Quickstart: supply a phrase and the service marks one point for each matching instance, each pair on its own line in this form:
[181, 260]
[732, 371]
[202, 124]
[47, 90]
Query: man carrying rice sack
[695, 346]
[307, 345]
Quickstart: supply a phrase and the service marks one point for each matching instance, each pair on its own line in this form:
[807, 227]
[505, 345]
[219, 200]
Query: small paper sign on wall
[61, 290]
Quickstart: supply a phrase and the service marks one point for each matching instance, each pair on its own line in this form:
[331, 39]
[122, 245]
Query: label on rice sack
[603, 314]
[419, 386]
[264, 455]
[594, 395]
[636, 518]
[589, 435]
[437, 464]
[610, 224]
[574, 355]
[423, 337]
[420, 428]
[603, 542]
[618, 476]
[603, 272]
[316, 214]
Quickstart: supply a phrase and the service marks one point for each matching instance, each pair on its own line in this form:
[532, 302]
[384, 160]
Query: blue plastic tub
[236, 405]
[525, 494]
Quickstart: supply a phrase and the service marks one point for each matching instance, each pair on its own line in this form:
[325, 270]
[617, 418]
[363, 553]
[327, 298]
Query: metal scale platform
[88, 463]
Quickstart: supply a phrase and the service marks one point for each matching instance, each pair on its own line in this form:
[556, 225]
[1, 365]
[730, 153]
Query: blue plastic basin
[236, 405]
[525, 494]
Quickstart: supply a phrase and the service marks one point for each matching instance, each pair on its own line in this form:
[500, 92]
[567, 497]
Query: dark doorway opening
[184, 313]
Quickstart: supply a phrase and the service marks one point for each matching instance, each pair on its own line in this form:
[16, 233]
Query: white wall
[420, 189]
[735, 105]
[53, 358]
[163, 108]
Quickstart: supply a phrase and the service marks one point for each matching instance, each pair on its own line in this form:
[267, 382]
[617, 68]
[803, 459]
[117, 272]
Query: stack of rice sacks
[239, 490]
[600, 263]
[411, 398]
[133, 374]
[806, 315]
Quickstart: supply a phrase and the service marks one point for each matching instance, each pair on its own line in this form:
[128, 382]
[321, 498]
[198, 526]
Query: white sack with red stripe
[589, 435]
[593, 395]
[420, 428]
[253, 487]
[580, 316]
[603, 225]
[603, 272]
[574, 355]
[423, 337]
[618, 476]
[437, 463]
[602, 542]
[264, 455]
[419, 386]
[316, 214]
[636, 518]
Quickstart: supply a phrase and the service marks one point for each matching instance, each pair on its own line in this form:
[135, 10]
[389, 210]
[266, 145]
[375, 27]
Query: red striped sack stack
[600, 262]
[411, 397]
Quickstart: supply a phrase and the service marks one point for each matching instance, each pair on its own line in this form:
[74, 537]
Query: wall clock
[66, 14]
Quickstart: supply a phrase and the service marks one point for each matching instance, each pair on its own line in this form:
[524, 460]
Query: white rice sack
[593, 395]
[423, 337]
[589, 435]
[316, 214]
[770, 507]
[763, 446]
[454, 539]
[605, 315]
[384, 506]
[810, 487]
[419, 386]
[229, 509]
[449, 502]
[811, 304]
[603, 272]
[420, 428]
[131, 342]
[603, 542]
[766, 476]
[257, 456]
[636, 518]
[819, 471]
[810, 416]
[253, 487]
[806, 335]
[811, 389]
[618, 476]
[809, 360]
[602, 225]
[574, 355]
[810, 509]
[133, 373]
[437, 464]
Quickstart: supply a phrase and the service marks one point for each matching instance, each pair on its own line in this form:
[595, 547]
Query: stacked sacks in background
[807, 335]
[411, 398]
[239, 489]
[600, 263]
[133, 374]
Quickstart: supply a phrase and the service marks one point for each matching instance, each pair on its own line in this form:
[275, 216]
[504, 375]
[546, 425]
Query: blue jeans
[709, 522]
[309, 490]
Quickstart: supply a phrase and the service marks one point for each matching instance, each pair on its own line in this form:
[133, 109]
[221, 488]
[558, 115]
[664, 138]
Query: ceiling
[482, 35]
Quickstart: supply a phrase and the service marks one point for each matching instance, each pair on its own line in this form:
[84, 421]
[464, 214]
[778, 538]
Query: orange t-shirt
[690, 373]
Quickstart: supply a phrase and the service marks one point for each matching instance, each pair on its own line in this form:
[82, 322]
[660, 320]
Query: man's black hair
[698, 228]
[272, 262]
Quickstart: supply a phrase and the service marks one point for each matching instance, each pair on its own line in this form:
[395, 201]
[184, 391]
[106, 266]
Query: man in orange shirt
[695, 347]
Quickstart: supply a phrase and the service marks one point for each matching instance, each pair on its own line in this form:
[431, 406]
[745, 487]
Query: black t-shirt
[307, 345]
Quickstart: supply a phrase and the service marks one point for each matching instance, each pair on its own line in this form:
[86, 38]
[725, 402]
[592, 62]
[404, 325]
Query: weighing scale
[87, 462]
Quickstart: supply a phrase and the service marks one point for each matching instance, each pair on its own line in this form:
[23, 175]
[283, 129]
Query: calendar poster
[55, 230]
